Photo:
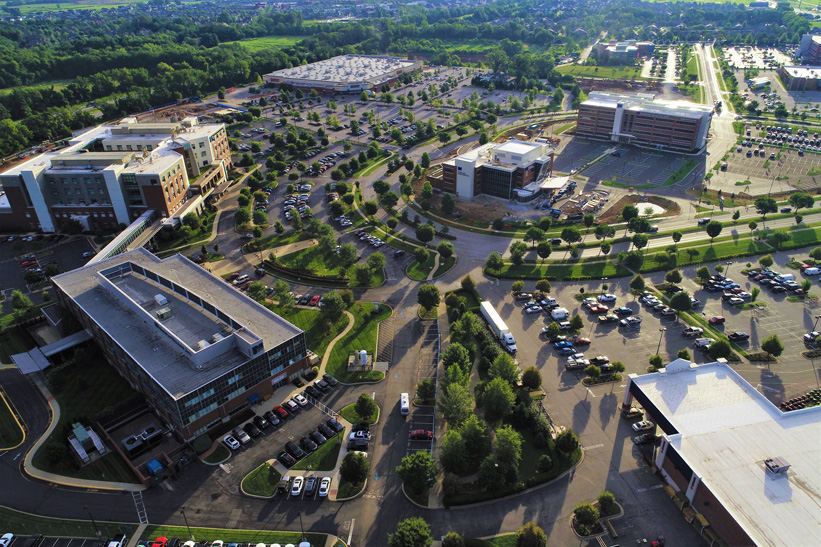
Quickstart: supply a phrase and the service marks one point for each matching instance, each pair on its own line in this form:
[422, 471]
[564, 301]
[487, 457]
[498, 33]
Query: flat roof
[116, 303]
[644, 102]
[346, 68]
[517, 147]
[726, 429]
[803, 71]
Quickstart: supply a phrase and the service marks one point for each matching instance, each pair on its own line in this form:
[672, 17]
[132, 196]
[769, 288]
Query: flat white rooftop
[517, 147]
[726, 431]
[645, 102]
[346, 68]
[803, 71]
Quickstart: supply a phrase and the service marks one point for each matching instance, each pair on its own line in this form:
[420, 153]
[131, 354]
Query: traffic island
[262, 482]
[590, 520]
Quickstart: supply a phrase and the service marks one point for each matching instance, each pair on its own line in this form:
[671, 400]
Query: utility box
[160, 300]
[164, 313]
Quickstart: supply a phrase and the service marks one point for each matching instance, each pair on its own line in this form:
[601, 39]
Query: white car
[5, 540]
[607, 298]
[296, 486]
[565, 325]
[533, 309]
[587, 302]
[300, 400]
[810, 337]
[643, 426]
[231, 442]
[324, 487]
[744, 295]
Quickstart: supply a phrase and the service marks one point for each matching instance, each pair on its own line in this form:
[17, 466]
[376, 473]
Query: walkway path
[435, 266]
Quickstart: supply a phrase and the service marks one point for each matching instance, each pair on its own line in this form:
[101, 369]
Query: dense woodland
[130, 64]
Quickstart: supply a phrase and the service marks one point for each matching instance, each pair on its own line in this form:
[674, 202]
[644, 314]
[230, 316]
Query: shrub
[607, 502]
[545, 463]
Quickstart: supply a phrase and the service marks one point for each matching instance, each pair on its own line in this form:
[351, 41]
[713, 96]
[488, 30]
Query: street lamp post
[662, 330]
[93, 523]
[727, 272]
[190, 535]
[817, 317]
[300, 525]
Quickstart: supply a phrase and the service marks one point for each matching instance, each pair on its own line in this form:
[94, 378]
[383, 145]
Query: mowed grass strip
[268, 42]
[362, 336]
[611, 72]
[24, 524]
[420, 271]
[262, 481]
[317, 333]
[323, 458]
[592, 270]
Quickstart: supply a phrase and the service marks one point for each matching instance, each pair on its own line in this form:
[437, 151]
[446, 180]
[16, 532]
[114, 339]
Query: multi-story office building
[198, 349]
[626, 52]
[745, 471]
[112, 174]
[809, 50]
[494, 169]
[345, 73]
[801, 78]
[679, 126]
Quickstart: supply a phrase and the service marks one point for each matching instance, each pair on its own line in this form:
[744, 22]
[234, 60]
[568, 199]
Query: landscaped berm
[363, 335]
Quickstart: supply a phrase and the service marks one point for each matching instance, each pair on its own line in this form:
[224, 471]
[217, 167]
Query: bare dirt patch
[611, 215]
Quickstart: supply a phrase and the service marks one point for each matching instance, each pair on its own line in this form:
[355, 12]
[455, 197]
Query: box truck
[498, 327]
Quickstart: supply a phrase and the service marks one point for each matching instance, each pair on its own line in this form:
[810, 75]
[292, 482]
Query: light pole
[96, 530]
[190, 535]
[662, 330]
[727, 272]
[300, 525]
[817, 317]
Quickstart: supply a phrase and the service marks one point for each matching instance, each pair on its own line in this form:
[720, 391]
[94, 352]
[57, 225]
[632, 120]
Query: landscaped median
[261, 482]
[567, 272]
[363, 335]
[323, 458]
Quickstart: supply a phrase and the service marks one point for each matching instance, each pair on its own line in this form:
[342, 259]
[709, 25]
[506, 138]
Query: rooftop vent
[777, 466]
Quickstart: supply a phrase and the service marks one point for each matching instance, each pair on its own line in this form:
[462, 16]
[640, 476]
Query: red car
[245, 285]
[581, 341]
[421, 435]
[281, 412]
[27, 263]
[717, 320]
[599, 308]
[159, 542]
[233, 276]
[315, 300]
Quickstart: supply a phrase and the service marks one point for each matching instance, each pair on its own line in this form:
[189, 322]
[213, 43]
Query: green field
[350, 414]
[267, 42]
[56, 84]
[592, 270]
[317, 333]
[77, 5]
[20, 523]
[612, 72]
[420, 272]
[314, 260]
[361, 336]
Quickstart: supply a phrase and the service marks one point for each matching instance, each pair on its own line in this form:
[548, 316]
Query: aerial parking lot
[764, 164]
[754, 57]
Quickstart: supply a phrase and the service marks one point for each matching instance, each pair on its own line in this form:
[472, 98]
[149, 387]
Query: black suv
[294, 450]
[286, 459]
[261, 422]
[311, 485]
[313, 392]
[308, 444]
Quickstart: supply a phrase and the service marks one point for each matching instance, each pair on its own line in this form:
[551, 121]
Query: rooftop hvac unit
[164, 313]
[202, 344]
[160, 300]
[777, 466]
[216, 338]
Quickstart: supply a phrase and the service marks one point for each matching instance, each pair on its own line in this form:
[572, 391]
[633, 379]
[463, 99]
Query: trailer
[498, 327]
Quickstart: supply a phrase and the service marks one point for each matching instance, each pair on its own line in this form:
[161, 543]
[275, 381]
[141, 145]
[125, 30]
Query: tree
[507, 447]
[629, 212]
[468, 283]
[427, 190]
[780, 238]
[752, 226]
[412, 532]
[720, 349]
[354, 468]
[684, 354]
[257, 291]
[192, 221]
[332, 307]
[498, 399]
[517, 286]
[586, 516]
[532, 378]
[543, 285]
[452, 452]
[800, 199]
[816, 253]
[365, 406]
[531, 535]
[448, 204]
[505, 367]
[348, 254]
[754, 294]
[673, 276]
[389, 199]
[428, 296]
[567, 442]
[376, 262]
[676, 237]
[637, 284]
[772, 345]
[494, 262]
[703, 273]
[765, 205]
[543, 249]
[576, 322]
[592, 371]
[607, 502]
[640, 241]
[766, 261]
[456, 404]
[421, 255]
[534, 235]
[571, 235]
[417, 471]
[681, 301]
[491, 474]
[445, 249]
[425, 233]
[736, 215]
[713, 229]
[20, 302]
[452, 539]
[517, 252]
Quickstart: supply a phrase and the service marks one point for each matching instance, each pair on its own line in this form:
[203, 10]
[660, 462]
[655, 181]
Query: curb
[358, 494]
[410, 500]
[600, 521]
[526, 490]
[241, 489]
[443, 274]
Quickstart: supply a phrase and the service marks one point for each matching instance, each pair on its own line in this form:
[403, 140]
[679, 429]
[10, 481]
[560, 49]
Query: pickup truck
[692, 331]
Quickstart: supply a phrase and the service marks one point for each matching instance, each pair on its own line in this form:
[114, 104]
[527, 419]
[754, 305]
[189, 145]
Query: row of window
[128, 147]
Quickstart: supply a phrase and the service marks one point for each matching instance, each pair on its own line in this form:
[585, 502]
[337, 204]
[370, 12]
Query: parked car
[633, 321]
[292, 449]
[717, 320]
[231, 442]
[330, 379]
[738, 336]
[307, 444]
[300, 399]
[334, 424]
[317, 437]
[623, 311]
[692, 331]
[281, 412]
[644, 438]
[241, 435]
[324, 487]
[313, 392]
[252, 430]
[326, 431]
[421, 435]
[607, 298]
[311, 485]
[296, 486]
[272, 418]
[643, 426]
[609, 318]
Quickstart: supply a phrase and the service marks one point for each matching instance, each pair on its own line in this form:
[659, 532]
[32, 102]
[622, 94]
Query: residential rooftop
[208, 329]
[726, 429]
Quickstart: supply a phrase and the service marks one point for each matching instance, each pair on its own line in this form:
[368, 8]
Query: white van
[785, 277]
[559, 314]
[404, 404]
[812, 271]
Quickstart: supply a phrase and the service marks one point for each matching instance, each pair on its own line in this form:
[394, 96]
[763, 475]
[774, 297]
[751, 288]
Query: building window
[119, 147]
[108, 147]
[128, 147]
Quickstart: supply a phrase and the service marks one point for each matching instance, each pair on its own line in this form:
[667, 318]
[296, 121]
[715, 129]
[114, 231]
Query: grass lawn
[472, 302]
[592, 270]
[262, 481]
[176, 239]
[219, 454]
[317, 334]
[361, 336]
[276, 240]
[267, 42]
[445, 264]
[742, 246]
[798, 238]
[348, 489]
[71, 387]
[685, 169]
[229, 535]
[11, 434]
[420, 272]
[24, 524]
[350, 414]
[323, 459]
[316, 261]
[14, 340]
[613, 72]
